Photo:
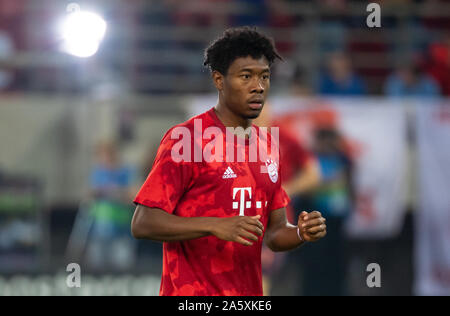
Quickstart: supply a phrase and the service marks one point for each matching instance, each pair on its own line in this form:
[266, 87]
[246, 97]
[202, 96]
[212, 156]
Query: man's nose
[258, 87]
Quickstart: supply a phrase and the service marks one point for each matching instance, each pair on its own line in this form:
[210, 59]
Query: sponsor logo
[229, 174]
[242, 203]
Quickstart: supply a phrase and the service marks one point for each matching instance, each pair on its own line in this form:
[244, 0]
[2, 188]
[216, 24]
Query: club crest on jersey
[272, 170]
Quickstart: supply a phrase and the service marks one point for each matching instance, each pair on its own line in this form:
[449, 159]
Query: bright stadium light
[82, 33]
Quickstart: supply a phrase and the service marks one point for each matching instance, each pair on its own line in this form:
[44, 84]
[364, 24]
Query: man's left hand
[312, 226]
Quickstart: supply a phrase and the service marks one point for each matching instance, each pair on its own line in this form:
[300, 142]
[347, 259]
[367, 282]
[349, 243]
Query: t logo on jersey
[242, 204]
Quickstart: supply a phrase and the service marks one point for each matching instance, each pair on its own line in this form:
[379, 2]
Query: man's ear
[218, 79]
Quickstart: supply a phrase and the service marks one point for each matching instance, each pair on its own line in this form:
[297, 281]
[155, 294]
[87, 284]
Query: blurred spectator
[438, 64]
[110, 244]
[110, 179]
[334, 199]
[254, 12]
[409, 80]
[299, 86]
[6, 52]
[333, 35]
[334, 196]
[340, 79]
[332, 30]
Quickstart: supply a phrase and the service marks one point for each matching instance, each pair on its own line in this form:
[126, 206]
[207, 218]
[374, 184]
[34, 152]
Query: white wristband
[298, 233]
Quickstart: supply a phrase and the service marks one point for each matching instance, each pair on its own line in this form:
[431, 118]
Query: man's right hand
[238, 229]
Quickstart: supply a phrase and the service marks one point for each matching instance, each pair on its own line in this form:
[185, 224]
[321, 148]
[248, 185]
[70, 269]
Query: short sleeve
[280, 198]
[167, 181]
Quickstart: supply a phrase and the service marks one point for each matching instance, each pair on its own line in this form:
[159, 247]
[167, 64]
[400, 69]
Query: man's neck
[229, 119]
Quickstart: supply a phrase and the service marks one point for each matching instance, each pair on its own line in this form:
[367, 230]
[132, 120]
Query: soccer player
[212, 215]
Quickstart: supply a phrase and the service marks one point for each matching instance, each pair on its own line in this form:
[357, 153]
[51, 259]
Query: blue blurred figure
[409, 81]
[334, 198]
[340, 79]
[110, 243]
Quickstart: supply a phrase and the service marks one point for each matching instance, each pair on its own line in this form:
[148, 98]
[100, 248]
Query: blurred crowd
[409, 56]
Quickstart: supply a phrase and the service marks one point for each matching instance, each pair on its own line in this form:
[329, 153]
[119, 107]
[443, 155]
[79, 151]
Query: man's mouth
[256, 104]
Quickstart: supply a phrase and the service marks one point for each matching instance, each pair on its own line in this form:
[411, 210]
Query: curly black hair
[239, 42]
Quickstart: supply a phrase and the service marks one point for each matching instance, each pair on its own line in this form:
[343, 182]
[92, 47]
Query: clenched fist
[311, 226]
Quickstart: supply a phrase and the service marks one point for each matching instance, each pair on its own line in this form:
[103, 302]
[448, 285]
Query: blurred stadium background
[64, 119]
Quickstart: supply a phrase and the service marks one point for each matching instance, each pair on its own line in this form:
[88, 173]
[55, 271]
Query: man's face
[245, 86]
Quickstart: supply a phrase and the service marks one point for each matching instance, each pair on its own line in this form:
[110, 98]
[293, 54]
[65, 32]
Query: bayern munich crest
[272, 170]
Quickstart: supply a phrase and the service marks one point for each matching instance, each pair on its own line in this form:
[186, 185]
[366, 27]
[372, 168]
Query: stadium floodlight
[82, 33]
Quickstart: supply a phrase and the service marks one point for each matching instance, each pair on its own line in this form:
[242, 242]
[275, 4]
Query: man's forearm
[162, 226]
[284, 238]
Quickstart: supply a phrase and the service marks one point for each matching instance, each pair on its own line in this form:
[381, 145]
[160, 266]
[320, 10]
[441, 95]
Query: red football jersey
[209, 265]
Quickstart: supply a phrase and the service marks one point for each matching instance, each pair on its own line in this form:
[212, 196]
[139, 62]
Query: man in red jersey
[211, 209]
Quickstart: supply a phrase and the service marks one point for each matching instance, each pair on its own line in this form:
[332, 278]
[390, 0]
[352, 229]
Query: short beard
[252, 117]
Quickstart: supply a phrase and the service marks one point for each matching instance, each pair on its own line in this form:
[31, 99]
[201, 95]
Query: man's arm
[309, 178]
[156, 224]
[283, 236]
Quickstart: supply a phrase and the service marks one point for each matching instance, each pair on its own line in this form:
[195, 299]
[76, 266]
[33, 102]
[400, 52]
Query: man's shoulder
[199, 121]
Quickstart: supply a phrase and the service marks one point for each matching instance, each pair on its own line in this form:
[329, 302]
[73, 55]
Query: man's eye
[246, 76]
[265, 77]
